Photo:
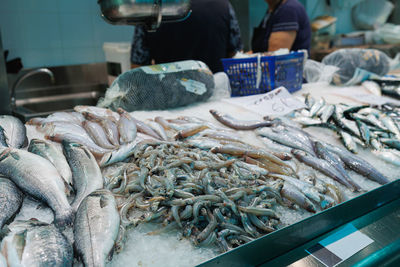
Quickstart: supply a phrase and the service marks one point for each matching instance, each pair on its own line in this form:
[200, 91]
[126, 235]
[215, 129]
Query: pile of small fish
[71, 184]
[211, 196]
[373, 127]
[323, 157]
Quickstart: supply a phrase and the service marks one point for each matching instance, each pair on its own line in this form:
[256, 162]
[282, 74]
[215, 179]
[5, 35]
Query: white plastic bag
[371, 14]
[315, 72]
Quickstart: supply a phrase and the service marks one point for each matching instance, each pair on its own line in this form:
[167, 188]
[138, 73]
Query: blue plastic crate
[276, 71]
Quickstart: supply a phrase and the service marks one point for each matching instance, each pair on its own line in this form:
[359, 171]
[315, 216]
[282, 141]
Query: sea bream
[50, 152]
[37, 177]
[34, 243]
[86, 173]
[14, 131]
[96, 228]
[10, 200]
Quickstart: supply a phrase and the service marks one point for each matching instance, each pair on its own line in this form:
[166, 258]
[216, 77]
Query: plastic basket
[274, 71]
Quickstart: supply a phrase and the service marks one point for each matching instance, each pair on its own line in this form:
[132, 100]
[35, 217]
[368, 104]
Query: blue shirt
[289, 16]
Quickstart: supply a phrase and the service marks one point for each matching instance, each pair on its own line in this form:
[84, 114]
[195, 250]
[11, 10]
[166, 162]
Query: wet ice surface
[159, 250]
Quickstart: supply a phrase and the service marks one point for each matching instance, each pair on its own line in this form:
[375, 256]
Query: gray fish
[284, 139]
[323, 166]
[37, 177]
[34, 243]
[50, 152]
[293, 194]
[10, 200]
[127, 128]
[96, 228]
[86, 173]
[97, 133]
[348, 141]
[359, 165]
[123, 152]
[330, 157]
[14, 130]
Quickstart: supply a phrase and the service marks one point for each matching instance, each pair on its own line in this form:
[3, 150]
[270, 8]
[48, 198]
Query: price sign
[277, 102]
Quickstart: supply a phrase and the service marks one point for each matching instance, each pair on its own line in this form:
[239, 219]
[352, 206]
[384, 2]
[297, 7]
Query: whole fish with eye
[86, 173]
[14, 131]
[96, 228]
[48, 151]
[358, 165]
[37, 177]
[324, 167]
[34, 243]
[10, 200]
[236, 124]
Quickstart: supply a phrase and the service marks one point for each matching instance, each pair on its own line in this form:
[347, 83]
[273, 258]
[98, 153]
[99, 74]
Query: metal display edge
[283, 240]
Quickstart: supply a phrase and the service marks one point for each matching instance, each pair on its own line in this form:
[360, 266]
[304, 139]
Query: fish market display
[33, 243]
[12, 132]
[96, 228]
[111, 172]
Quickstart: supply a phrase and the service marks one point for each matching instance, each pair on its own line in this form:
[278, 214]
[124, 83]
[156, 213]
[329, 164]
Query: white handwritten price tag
[277, 102]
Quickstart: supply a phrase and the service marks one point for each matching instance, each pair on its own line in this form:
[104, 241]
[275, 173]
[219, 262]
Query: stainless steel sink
[74, 85]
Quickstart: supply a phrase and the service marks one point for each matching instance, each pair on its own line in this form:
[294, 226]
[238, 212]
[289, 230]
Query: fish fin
[19, 241]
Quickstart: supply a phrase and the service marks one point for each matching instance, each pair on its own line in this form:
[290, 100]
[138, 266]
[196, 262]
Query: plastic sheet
[162, 86]
[357, 61]
[369, 15]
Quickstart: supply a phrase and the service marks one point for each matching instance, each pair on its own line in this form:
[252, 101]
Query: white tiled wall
[57, 32]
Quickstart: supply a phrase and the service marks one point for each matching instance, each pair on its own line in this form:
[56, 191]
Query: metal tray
[275, 244]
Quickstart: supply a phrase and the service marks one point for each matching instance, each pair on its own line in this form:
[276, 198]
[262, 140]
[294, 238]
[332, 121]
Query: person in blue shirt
[285, 25]
[210, 33]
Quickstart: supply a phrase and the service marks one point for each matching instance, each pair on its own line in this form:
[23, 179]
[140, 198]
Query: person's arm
[140, 52]
[235, 41]
[282, 39]
[285, 25]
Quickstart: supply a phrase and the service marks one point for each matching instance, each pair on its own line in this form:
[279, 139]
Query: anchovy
[97, 133]
[323, 166]
[327, 113]
[48, 151]
[364, 130]
[390, 125]
[14, 130]
[35, 243]
[359, 165]
[330, 157]
[96, 227]
[37, 177]
[236, 124]
[85, 171]
[348, 112]
[10, 200]
[309, 100]
[316, 107]
[348, 141]
[394, 143]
